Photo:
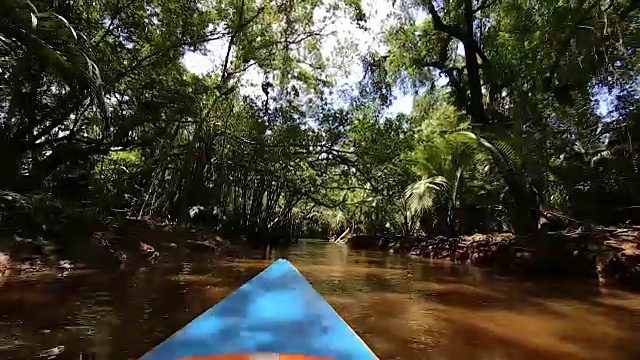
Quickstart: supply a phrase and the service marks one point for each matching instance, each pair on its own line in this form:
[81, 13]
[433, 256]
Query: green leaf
[34, 10]
[64, 21]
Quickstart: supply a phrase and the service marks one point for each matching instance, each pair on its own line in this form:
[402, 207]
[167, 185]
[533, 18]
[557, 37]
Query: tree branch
[487, 4]
[144, 61]
[120, 10]
[224, 78]
[439, 25]
[611, 3]
[455, 31]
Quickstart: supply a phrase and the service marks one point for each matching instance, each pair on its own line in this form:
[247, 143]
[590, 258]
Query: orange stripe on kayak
[256, 357]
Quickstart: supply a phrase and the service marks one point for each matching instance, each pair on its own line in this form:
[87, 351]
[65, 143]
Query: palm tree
[442, 153]
[524, 197]
[46, 65]
[27, 34]
[420, 198]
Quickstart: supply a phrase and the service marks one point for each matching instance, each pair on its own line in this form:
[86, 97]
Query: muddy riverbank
[109, 245]
[609, 254]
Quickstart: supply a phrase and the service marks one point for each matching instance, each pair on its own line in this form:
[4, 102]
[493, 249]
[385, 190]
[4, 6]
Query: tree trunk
[473, 68]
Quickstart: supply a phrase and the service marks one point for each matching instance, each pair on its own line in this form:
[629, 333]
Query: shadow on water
[403, 308]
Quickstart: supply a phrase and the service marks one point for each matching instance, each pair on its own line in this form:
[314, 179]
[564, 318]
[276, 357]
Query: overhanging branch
[487, 4]
[455, 31]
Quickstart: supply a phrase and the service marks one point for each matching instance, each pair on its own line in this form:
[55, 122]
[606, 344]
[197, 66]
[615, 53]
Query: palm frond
[523, 193]
[601, 155]
[56, 44]
[500, 151]
[421, 195]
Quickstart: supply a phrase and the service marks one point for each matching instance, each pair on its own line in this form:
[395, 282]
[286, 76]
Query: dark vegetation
[100, 119]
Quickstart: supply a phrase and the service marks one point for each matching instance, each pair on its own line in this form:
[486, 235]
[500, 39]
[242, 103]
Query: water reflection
[403, 308]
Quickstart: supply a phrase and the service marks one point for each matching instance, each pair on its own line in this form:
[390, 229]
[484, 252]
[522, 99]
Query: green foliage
[523, 202]
[119, 178]
[528, 101]
[49, 41]
[421, 196]
[39, 215]
[13, 210]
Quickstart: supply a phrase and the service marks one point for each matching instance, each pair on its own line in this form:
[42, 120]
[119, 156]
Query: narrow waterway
[403, 308]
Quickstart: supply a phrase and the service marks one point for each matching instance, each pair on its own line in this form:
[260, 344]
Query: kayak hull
[278, 311]
[257, 357]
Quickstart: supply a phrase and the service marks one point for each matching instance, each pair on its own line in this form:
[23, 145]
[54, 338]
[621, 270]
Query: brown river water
[403, 308]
